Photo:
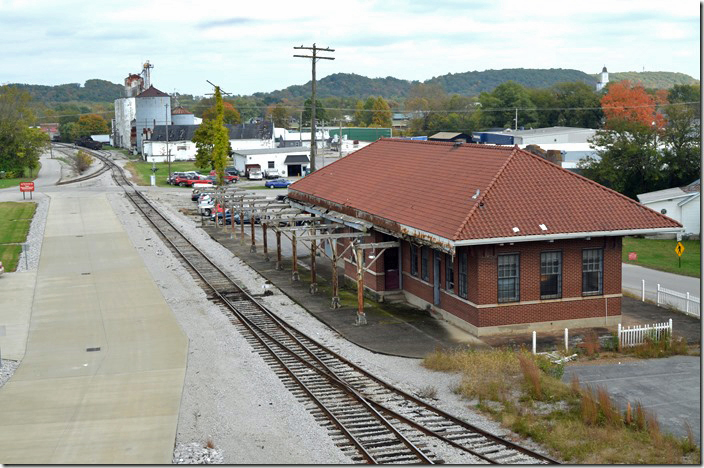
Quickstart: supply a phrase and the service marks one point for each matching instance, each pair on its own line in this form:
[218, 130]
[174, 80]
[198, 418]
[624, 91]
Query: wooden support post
[279, 266]
[222, 206]
[266, 250]
[232, 219]
[253, 248]
[294, 274]
[313, 275]
[335, 287]
[241, 223]
[361, 317]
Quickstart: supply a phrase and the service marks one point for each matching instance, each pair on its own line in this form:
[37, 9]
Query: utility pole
[516, 120]
[168, 157]
[313, 58]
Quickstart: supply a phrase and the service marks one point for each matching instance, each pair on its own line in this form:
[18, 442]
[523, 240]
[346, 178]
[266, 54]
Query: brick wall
[483, 283]
[374, 278]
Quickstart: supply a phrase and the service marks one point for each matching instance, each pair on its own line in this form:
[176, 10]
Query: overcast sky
[247, 46]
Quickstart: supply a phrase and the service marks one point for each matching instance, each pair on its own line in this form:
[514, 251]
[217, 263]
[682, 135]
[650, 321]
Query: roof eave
[566, 235]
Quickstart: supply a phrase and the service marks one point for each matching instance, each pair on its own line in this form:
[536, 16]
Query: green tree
[359, 114]
[580, 105]
[684, 93]
[498, 106]
[221, 140]
[681, 151]
[320, 112]
[628, 158]
[204, 139]
[279, 114]
[20, 145]
[381, 113]
[91, 124]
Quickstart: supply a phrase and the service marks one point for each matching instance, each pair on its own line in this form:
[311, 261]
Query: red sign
[26, 186]
[632, 256]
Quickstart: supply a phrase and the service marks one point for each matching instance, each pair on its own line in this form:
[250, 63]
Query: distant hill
[656, 80]
[468, 83]
[93, 91]
[473, 83]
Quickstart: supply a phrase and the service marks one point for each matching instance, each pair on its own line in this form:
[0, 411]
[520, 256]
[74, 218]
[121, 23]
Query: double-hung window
[424, 254]
[592, 271]
[509, 280]
[449, 274]
[462, 275]
[551, 275]
[414, 260]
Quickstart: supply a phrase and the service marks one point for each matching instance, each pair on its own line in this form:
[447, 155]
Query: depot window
[592, 271]
[551, 275]
[508, 278]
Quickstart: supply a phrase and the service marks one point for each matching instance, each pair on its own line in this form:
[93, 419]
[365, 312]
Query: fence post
[619, 337]
[687, 306]
[642, 290]
[566, 340]
[533, 342]
[670, 323]
[658, 295]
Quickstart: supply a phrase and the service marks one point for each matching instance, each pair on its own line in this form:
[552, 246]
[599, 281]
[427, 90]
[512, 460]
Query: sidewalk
[105, 359]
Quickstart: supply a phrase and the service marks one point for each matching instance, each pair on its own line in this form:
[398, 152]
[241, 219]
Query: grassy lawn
[15, 219]
[142, 170]
[579, 425]
[659, 254]
[5, 183]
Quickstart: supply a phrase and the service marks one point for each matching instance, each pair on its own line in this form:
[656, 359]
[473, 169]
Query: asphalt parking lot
[670, 387]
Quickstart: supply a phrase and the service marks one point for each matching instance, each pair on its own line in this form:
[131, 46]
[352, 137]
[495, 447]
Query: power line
[483, 109]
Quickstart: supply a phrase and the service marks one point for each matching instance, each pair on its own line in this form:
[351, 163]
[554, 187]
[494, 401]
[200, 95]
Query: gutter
[568, 235]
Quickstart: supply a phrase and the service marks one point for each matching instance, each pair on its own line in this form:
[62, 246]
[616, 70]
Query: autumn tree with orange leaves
[629, 102]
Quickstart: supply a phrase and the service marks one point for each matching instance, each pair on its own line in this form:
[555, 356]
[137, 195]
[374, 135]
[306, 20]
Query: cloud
[224, 22]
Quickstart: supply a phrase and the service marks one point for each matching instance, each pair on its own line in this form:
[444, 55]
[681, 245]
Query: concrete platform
[397, 329]
[105, 359]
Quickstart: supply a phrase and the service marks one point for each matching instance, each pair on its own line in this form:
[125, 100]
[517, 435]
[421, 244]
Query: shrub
[550, 368]
[591, 343]
[83, 161]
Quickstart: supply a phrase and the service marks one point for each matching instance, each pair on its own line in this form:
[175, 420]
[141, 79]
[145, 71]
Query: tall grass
[581, 425]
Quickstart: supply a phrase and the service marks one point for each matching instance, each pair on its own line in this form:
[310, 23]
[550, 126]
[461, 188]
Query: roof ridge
[482, 196]
[596, 184]
[446, 143]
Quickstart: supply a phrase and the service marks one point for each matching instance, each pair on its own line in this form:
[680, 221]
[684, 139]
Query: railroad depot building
[494, 239]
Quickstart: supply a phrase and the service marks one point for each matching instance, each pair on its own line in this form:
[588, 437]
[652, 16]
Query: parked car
[187, 180]
[233, 171]
[170, 180]
[228, 219]
[272, 174]
[255, 174]
[2, 269]
[229, 178]
[278, 183]
[198, 192]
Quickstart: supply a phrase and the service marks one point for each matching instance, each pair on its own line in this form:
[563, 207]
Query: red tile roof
[152, 92]
[429, 186]
[180, 110]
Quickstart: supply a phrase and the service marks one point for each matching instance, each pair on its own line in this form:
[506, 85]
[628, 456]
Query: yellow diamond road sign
[679, 249]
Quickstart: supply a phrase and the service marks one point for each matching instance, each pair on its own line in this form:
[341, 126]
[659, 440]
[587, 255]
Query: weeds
[531, 375]
[591, 343]
[582, 426]
[209, 443]
[428, 392]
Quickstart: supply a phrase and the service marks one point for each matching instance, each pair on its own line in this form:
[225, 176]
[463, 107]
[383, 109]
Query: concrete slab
[16, 296]
[71, 405]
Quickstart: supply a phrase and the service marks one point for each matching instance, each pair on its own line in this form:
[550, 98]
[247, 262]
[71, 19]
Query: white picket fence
[636, 335]
[684, 302]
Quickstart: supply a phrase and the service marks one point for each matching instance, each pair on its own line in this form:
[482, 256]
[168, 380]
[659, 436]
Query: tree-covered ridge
[94, 91]
[652, 80]
[475, 82]
[343, 85]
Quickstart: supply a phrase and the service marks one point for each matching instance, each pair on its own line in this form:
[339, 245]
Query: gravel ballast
[232, 400]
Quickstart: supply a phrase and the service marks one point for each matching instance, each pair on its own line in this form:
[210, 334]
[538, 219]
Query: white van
[255, 174]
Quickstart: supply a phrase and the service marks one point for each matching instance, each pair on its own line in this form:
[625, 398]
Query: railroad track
[103, 157]
[369, 419]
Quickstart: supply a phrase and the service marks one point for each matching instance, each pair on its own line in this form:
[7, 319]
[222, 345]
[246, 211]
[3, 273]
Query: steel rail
[330, 374]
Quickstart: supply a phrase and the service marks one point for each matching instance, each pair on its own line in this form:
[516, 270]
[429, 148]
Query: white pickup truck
[255, 174]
